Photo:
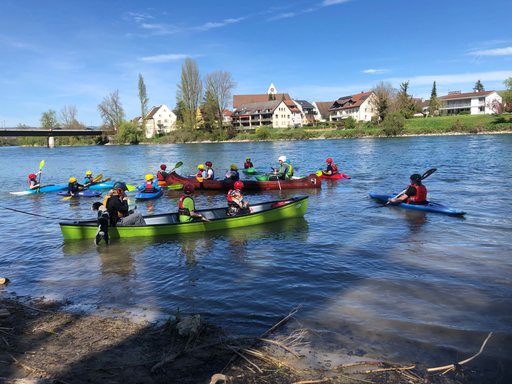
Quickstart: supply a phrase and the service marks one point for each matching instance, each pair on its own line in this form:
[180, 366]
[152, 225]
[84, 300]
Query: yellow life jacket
[105, 200]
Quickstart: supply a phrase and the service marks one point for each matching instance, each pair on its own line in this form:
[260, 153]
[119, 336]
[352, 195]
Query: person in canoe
[116, 203]
[248, 163]
[200, 171]
[32, 180]
[162, 173]
[148, 186]
[285, 171]
[415, 194]
[187, 206]
[210, 174]
[332, 169]
[232, 174]
[236, 204]
[74, 187]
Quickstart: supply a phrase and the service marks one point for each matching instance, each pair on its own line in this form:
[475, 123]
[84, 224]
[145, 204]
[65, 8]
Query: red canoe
[337, 176]
[311, 181]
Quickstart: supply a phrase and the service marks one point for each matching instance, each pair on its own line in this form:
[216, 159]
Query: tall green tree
[478, 87]
[406, 104]
[48, 119]
[189, 91]
[209, 109]
[507, 95]
[143, 98]
[219, 85]
[435, 105]
[111, 110]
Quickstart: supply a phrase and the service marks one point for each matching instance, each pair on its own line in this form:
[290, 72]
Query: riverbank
[44, 343]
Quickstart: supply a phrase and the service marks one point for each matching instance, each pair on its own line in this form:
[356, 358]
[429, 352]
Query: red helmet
[31, 176]
[188, 188]
[163, 166]
[329, 160]
[239, 185]
[209, 163]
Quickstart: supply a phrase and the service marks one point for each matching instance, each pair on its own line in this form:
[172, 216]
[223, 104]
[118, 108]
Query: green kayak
[265, 178]
[251, 171]
[169, 224]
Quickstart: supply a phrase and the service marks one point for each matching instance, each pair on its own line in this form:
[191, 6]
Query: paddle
[318, 173]
[200, 179]
[107, 179]
[278, 183]
[178, 164]
[94, 181]
[41, 164]
[130, 188]
[176, 186]
[424, 176]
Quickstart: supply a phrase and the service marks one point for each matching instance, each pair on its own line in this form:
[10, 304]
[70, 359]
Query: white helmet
[282, 158]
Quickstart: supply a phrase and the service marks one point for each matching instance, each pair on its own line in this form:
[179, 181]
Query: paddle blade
[97, 178]
[66, 198]
[178, 164]
[318, 173]
[176, 186]
[107, 179]
[428, 173]
[131, 187]
[200, 179]
[41, 164]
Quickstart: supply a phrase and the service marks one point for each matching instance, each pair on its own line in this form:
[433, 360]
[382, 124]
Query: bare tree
[68, 118]
[190, 91]
[219, 85]
[143, 97]
[111, 110]
[386, 98]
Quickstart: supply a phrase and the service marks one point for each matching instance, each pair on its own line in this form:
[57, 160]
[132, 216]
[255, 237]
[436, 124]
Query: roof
[152, 112]
[256, 108]
[353, 101]
[422, 103]
[304, 103]
[465, 95]
[323, 107]
[227, 112]
[291, 104]
[244, 99]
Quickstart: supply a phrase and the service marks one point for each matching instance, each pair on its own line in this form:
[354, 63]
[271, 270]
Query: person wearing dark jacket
[116, 203]
[415, 194]
[74, 187]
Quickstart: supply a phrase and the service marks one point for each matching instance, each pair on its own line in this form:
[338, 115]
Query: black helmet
[416, 177]
[120, 185]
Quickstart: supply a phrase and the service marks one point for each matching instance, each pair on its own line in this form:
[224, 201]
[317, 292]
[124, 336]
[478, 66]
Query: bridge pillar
[51, 142]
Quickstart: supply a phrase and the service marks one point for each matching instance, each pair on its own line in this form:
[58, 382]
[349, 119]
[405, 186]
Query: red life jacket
[199, 174]
[149, 185]
[230, 199]
[248, 164]
[334, 168]
[181, 209]
[159, 175]
[420, 196]
[90, 178]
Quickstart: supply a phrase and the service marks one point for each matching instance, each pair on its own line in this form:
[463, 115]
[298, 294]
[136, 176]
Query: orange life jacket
[420, 196]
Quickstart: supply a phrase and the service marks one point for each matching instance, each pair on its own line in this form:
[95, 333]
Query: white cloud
[159, 29]
[164, 58]
[326, 3]
[282, 16]
[376, 71]
[493, 52]
[138, 17]
[210, 25]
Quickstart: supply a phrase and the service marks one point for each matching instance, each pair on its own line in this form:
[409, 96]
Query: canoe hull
[337, 176]
[311, 181]
[147, 196]
[86, 193]
[430, 207]
[168, 224]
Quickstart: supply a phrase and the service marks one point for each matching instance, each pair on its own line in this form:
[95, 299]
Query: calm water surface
[398, 285]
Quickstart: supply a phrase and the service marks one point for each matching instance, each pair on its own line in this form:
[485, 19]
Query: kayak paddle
[107, 179]
[200, 179]
[41, 164]
[318, 173]
[176, 186]
[66, 198]
[178, 164]
[424, 176]
[130, 188]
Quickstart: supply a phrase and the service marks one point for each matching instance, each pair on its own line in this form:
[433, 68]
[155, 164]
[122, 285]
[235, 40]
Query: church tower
[272, 89]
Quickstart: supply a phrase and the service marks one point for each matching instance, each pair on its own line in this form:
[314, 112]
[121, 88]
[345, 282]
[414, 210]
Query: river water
[375, 281]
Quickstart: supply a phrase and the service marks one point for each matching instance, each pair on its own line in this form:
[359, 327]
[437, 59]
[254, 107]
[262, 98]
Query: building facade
[361, 107]
[159, 120]
[473, 102]
[308, 111]
[272, 113]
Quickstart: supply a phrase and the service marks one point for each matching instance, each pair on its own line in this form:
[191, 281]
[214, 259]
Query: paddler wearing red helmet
[210, 173]
[332, 169]
[236, 204]
[32, 180]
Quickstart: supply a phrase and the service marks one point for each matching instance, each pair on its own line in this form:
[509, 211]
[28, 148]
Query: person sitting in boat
[162, 173]
[236, 204]
[74, 187]
[200, 171]
[210, 174]
[285, 171]
[248, 163]
[148, 186]
[415, 194]
[32, 180]
[332, 169]
[232, 174]
[120, 214]
[187, 207]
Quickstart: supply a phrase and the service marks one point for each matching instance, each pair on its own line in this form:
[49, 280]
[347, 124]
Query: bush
[394, 124]
[350, 123]
[457, 126]
[263, 133]
[464, 113]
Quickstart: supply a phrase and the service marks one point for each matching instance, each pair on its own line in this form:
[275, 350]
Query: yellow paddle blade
[41, 164]
[107, 179]
[97, 178]
[66, 198]
[200, 179]
[176, 186]
[130, 187]
[319, 173]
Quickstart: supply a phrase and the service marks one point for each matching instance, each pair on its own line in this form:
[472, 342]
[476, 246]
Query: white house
[474, 102]
[362, 106]
[160, 120]
[272, 113]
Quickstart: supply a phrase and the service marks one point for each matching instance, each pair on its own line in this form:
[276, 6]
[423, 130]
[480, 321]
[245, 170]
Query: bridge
[52, 133]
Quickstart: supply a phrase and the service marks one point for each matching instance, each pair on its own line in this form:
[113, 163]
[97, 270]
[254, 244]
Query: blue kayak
[48, 188]
[145, 196]
[85, 193]
[430, 207]
[102, 186]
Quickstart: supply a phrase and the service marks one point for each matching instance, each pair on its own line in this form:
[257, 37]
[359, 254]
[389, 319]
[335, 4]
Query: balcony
[456, 105]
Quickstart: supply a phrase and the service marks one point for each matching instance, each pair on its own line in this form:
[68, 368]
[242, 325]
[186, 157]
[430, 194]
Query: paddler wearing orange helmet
[332, 169]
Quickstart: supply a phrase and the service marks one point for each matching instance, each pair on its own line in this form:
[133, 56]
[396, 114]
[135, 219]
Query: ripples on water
[400, 285]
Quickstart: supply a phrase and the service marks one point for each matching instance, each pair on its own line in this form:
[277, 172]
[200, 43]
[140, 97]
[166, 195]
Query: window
[159, 121]
[165, 121]
[288, 116]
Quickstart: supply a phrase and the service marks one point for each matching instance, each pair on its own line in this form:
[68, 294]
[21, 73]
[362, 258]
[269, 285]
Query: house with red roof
[361, 107]
[226, 116]
[159, 120]
[474, 102]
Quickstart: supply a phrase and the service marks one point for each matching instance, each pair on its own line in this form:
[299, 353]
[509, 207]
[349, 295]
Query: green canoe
[169, 224]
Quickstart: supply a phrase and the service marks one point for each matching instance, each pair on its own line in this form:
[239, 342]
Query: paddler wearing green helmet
[248, 163]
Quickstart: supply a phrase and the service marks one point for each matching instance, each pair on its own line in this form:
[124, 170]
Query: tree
[507, 95]
[111, 110]
[179, 111]
[68, 118]
[48, 119]
[478, 87]
[386, 98]
[129, 132]
[434, 105]
[143, 97]
[209, 109]
[189, 91]
[405, 103]
[219, 85]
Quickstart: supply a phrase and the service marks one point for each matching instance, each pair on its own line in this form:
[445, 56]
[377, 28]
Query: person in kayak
[285, 171]
[232, 174]
[148, 186]
[332, 169]
[415, 194]
[162, 173]
[210, 174]
[236, 204]
[248, 163]
[116, 203]
[74, 187]
[187, 207]
[32, 180]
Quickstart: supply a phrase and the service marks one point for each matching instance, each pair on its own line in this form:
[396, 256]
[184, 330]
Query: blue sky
[62, 53]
